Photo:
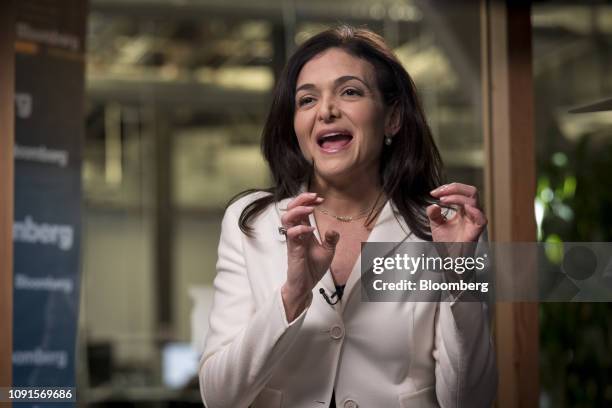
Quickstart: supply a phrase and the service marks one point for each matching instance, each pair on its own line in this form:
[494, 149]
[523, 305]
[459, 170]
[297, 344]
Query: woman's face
[340, 118]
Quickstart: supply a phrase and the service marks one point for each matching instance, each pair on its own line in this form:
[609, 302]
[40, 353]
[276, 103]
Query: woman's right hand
[308, 260]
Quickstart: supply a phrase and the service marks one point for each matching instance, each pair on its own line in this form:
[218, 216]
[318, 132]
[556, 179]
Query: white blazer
[372, 354]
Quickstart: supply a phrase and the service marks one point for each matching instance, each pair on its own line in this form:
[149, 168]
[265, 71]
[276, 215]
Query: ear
[393, 120]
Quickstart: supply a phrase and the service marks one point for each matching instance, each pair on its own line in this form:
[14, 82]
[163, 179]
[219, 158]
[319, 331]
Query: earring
[388, 140]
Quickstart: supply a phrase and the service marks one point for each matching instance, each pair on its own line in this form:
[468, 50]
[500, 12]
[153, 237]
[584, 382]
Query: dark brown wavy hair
[409, 169]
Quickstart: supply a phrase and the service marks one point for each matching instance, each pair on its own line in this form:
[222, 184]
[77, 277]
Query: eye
[305, 100]
[352, 92]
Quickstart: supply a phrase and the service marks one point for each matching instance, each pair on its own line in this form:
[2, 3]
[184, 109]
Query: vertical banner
[49, 130]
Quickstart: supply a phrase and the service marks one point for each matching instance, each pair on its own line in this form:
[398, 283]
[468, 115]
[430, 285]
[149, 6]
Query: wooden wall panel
[7, 104]
[511, 183]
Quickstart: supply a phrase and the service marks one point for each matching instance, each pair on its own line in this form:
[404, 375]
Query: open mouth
[332, 142]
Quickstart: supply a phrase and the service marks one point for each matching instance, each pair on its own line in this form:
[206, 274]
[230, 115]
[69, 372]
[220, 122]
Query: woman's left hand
[468, 221]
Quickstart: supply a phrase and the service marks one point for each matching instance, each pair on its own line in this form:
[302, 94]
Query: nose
[328, 110]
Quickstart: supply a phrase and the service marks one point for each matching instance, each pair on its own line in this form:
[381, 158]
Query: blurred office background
[177, 93]
[572, 58]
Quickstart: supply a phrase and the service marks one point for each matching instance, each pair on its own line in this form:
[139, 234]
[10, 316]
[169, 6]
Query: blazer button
[336, 332]
[350, 404]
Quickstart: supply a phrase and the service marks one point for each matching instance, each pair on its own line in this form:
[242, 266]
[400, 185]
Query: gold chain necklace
[350, 218]
[344, 218]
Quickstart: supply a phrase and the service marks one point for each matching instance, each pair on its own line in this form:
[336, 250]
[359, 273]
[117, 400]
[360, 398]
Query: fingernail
[443, 198]
[312, 194]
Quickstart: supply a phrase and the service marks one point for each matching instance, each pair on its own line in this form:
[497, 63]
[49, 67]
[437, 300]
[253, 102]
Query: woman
[353, 161]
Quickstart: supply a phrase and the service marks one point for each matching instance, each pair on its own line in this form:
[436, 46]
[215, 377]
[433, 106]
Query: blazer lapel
[388, 228]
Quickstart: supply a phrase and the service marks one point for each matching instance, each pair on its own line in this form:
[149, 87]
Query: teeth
[334, 134]
[328, 135]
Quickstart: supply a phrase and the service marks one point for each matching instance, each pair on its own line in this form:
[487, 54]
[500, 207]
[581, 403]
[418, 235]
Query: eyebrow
[337, 82]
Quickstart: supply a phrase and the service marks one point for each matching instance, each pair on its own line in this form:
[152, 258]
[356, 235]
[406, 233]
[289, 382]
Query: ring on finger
[444, 215]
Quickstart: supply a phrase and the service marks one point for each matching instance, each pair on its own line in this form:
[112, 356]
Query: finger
[458, 200]
[303, 199]
[299, 233]
[297, 216]
[434, 213]
[331, 239]
[475, 215]
[455, 188]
